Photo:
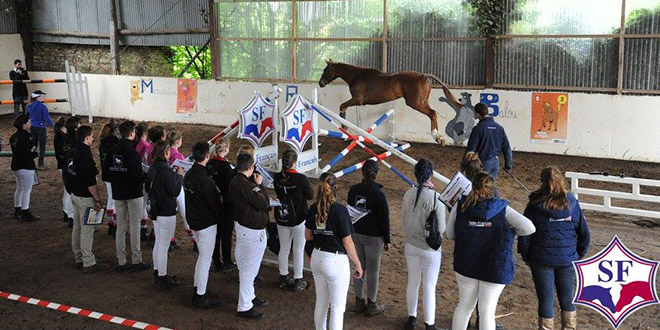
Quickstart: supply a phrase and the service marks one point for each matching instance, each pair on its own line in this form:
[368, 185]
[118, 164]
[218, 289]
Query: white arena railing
[607, 195]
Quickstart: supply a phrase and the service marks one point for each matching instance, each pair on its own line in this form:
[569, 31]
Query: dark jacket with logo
[251, 202]
[484, 242]
[22, 150]
[163, 186]
[221, 172]
[488, 139]
[561, 236]
[123, 169]
[104, 147]
[80, 172]
[61, 149]
[370, 196]
[203, 199]
[19, 89]
[293, 190]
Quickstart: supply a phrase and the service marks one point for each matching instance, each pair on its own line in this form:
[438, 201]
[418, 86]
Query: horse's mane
[356, 68]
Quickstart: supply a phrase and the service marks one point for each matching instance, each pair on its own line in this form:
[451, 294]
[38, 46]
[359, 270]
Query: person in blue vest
[483, 228]
[488, 139]
[39, 119]
[562, 236]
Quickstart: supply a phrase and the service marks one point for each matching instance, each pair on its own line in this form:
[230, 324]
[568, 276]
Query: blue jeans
[546, 280]
[39, 135]
[492, 167]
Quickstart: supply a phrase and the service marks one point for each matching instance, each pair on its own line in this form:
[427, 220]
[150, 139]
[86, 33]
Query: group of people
[216, 199]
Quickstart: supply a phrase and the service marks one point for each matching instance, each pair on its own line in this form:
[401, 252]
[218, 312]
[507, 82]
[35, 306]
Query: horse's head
[547, 107]
[329, 73]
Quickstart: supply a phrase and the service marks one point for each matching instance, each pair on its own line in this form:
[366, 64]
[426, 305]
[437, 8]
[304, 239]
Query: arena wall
[599, 125]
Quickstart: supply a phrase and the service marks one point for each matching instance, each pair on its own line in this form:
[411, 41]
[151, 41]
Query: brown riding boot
[568, 320]
[546, 324]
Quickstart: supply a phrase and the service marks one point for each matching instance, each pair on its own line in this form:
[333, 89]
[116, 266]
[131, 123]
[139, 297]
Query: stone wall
[135, 61]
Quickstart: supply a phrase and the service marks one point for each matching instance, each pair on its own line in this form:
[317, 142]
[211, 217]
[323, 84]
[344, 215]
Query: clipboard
[458, 187]
[93, 217]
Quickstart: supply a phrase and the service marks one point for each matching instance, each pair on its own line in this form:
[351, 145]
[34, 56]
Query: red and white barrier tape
[83, 312]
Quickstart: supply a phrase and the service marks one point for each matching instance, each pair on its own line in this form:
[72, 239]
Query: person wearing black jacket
[163, 185]
[203, 202]
[372, 235]
[221, 171]
[293, 190]
[251, 205]
[108, 139]
[80, 181]
[19, 92]
[123, 170]
[61, 149]
[22, 164]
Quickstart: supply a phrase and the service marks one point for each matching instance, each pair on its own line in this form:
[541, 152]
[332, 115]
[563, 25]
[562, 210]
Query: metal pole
[192, 60]
[622, 43]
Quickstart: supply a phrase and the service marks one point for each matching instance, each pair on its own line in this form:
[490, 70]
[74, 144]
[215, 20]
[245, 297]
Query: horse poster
[549, 117]
[186, 100]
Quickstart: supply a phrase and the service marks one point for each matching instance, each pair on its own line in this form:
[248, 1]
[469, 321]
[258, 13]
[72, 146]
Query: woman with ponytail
[328, 229]
[61, 149]
[421, 259]
[471, 165]
[371, 237]
[293, 190]
[483, 228]
[561, 237]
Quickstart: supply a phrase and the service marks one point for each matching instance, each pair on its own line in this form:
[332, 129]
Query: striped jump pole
[329, 115]
[340, 135]
[228, 131]
[3, 102]
[371, 152]
[33, 81]
[359, 165]
[353, 144]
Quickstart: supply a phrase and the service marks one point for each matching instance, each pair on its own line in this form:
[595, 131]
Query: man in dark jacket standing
[489, 139]
[19, 92]
[251, 204]
[80, 182]
[123, 170]
[203, 202]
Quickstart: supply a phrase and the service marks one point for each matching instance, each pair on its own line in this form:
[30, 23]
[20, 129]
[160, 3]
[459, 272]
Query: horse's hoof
[440, 141]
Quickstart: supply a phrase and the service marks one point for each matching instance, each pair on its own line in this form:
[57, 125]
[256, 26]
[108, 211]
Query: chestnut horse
[371, 86]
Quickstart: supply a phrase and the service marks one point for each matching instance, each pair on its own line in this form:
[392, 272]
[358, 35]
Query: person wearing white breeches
[163, 186]
[293, 190]
[484, 229]
[203, 205]
[22, 164]
[423, 261]
[250, 204]
[328, 230]
[61, 149]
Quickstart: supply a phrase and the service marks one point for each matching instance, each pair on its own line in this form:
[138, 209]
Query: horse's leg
[433, 116]
[344, 106]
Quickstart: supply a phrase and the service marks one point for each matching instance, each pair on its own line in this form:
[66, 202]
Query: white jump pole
[375, 140]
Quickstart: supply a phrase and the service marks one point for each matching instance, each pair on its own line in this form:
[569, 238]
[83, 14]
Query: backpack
[286, 212]
[432, 230]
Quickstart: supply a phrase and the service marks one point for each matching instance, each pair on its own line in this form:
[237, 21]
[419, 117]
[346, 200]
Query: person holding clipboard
[80, 182]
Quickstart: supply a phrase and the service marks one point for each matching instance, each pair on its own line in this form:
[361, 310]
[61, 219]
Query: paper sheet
[457, 188]
[183, 163]
[356, 213]
[274, 202]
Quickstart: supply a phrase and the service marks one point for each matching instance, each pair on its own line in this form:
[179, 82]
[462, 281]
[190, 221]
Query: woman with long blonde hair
[561, 237]
[484, 228]
[329, 228]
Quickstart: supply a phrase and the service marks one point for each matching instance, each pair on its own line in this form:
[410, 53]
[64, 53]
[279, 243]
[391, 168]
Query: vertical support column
[23, 9]
[574, 187]
[383, 66]
[294, 36]
[213, 34]
[622, 43]
[490, 61]
[114, 38]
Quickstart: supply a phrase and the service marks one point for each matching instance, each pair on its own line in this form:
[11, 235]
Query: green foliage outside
[181, 56]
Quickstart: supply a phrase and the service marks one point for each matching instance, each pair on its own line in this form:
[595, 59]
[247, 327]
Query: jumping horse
[372, 86]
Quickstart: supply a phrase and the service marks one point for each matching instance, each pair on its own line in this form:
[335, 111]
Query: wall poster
[549, 118]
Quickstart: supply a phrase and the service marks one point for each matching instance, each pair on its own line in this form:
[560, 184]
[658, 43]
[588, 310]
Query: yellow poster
[549, 117]
[186, 100]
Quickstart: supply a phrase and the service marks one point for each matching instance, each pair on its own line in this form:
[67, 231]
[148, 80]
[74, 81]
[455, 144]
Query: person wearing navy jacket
[163, 186]
[293, 190]
[484, 229]
[39, 119]
[562, 236]
[22, 164]
[488, 139]
[372, 235]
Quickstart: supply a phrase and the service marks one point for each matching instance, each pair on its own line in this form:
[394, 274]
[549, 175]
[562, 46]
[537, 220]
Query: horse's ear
[328, 61]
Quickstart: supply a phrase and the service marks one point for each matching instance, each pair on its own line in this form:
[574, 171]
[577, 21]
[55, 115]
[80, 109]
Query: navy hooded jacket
[484, 242]
[561, 237]
[488, 139]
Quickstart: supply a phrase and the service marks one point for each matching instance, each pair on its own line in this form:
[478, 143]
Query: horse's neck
[349, 73]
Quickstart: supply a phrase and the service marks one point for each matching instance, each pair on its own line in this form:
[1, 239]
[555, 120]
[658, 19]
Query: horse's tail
[450, 97]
